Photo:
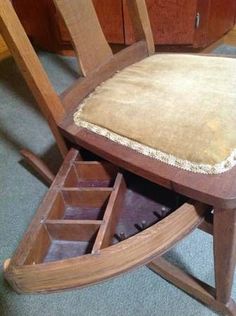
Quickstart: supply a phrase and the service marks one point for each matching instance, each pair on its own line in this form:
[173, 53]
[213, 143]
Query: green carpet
[140, 292]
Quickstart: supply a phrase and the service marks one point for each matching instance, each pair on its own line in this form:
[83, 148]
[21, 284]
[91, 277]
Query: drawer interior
[91, 206]
[79, 204]
[144, 205]
[58, 241]
[90, 174]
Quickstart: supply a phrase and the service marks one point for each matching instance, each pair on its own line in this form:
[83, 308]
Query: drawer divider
[111, 215]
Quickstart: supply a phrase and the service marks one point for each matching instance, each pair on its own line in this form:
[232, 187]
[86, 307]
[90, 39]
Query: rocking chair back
[94, 55]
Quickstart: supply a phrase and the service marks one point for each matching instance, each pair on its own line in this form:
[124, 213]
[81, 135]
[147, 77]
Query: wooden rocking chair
[181, 157]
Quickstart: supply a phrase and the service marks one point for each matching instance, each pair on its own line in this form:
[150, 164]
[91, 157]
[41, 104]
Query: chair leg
[191, 285]
[224, 235]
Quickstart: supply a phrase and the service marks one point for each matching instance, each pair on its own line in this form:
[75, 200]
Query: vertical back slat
[141, 23]
[32, 70]
[87, 36]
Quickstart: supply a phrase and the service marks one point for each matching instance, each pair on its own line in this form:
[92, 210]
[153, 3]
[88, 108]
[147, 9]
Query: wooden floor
[230, 38]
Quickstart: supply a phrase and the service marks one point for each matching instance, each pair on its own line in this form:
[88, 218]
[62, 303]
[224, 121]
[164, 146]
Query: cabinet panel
[37, 18]
[111, 18]
[44, 25]
[110, 15]
[201, 33]
[221, 18]
[173, 22]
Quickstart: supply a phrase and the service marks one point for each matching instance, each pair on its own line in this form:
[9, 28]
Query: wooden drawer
[95, 223]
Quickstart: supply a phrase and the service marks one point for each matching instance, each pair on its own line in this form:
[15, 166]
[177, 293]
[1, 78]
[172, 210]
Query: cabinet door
[47, 29]
[201, 31]
[216, 18]
[173, 22]
[37, 17]
[110, 14]
[221, 18]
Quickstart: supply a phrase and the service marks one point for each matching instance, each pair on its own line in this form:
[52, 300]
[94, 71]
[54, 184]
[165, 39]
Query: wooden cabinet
[110, 13]
[221, 18]
[39, 19]
[196, 23]
[47, 30]
[172, 21]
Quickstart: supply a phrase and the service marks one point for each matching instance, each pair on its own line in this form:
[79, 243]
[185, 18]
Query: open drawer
[94, 223]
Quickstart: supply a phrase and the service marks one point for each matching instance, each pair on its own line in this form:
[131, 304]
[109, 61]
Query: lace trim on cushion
[221, 167]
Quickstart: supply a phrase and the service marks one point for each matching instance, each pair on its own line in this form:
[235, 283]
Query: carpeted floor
[140, 292]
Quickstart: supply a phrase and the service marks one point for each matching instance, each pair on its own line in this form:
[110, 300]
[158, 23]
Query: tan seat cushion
[180, 109]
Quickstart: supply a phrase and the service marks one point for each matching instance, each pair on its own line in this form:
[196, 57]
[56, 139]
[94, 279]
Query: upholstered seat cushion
[180, 109]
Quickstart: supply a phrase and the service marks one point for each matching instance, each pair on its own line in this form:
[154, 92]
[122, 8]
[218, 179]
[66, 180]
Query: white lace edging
[218, 168]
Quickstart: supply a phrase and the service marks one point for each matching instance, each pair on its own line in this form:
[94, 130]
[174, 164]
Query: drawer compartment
[58, 240]
[83, 204]
[90, 174]
[84, 233]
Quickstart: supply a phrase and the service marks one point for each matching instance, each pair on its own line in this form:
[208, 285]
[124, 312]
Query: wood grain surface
[172, 21]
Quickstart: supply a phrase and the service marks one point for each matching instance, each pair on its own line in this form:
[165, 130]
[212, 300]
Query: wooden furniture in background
[3, 46]
[219, 191]
[173, 22]
[4, 52]
[110, 14]
[42, 24]
[193, 23]
[47, 30]
[196, 23]
[221, 18]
